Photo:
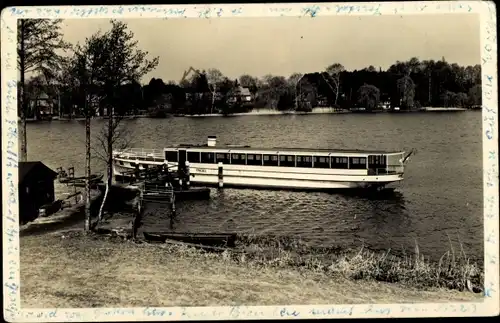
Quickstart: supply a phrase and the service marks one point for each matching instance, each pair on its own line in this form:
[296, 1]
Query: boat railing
[167, 191]
[395, 169]
[139, 153]
[390, 170]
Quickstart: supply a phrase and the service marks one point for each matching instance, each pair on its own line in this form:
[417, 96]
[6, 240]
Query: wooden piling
[188, 174]
[221, 175]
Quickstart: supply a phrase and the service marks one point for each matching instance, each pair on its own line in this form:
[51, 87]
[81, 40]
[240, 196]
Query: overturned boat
[205, 239]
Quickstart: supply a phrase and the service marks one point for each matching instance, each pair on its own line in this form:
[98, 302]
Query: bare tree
[120, 138]
[84, 66]
[214, 78]
[39, 41]
[294, 78]
[293, 81]
[123, 63]
[334, 71]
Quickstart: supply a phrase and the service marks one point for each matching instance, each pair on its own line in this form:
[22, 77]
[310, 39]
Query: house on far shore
[240, 94]
[36, 188]
[42, 106]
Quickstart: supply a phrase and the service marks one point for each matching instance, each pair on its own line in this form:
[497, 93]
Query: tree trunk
[430, 97]
[110, 147]
[99, 217]
[337, 92]
[213, 102]
[22, 99]
[109, 163]
[87, 171]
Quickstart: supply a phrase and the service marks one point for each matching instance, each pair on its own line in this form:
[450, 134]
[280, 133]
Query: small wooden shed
[36, 188]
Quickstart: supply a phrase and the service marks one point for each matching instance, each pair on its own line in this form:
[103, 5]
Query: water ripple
[440, 197]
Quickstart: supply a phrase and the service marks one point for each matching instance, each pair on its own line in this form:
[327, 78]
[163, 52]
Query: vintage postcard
[250, 161]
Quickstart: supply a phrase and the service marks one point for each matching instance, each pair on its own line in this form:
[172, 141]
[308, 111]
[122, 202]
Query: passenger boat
[279, 168]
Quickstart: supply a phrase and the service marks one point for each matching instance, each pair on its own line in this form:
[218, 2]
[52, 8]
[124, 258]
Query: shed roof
[28, 169]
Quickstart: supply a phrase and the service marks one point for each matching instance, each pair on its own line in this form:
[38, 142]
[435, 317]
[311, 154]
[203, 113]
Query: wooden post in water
[71, 175]
[172, 210]
[187, 173]
[221, 175]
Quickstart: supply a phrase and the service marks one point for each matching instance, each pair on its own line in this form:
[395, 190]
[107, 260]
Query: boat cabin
[373, 161]
[278, 158]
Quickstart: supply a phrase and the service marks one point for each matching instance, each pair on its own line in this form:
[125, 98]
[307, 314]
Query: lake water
[440, 198]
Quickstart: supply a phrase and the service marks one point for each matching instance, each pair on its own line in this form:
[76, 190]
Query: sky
[286, 45]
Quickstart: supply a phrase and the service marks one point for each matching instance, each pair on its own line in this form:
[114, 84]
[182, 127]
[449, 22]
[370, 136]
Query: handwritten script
[11, 134]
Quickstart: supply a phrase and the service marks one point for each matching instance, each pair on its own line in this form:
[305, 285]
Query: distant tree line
[405, 85]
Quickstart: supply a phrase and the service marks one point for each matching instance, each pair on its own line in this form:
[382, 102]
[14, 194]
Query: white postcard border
[9, 76]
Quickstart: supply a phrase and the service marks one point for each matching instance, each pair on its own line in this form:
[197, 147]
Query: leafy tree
[39, 45]
[448, 98]
[152, 91]
[368, 97]
[461, 99]
[370, 69]
[406, 89]
[285, 101]
[33, 90]
[475, 95]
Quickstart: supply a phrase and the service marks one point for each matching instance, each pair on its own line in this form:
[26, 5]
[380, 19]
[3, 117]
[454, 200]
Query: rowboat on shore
[206, 239]
[278, 168]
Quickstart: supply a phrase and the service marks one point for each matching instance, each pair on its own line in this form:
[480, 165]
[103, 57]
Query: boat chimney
[212, 140]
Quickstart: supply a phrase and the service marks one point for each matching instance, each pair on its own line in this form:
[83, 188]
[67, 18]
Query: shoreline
[103, 271]
[268, 112]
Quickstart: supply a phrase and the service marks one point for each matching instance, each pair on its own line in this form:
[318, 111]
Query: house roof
[245, 91]
[43, 96]
[28, 169]
[242, 91]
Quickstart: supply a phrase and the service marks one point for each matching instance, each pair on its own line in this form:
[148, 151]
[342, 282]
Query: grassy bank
[452, 271]
[72, 270]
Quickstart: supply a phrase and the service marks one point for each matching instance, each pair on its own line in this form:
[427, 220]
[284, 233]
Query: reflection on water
[439, 200]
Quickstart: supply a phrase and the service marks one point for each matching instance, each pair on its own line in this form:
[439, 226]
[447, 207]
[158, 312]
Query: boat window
[238, 159]
[287, 160]
[270, 160]
[304, 161]
[254, 159]
[376, 161]
[208, 158]
[339, 162]
[321, 162]
[223, 158]
[357, 162]
[121, 163]
[171, 156]
[193, 156]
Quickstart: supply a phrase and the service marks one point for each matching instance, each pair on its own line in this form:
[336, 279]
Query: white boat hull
[277, 177]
